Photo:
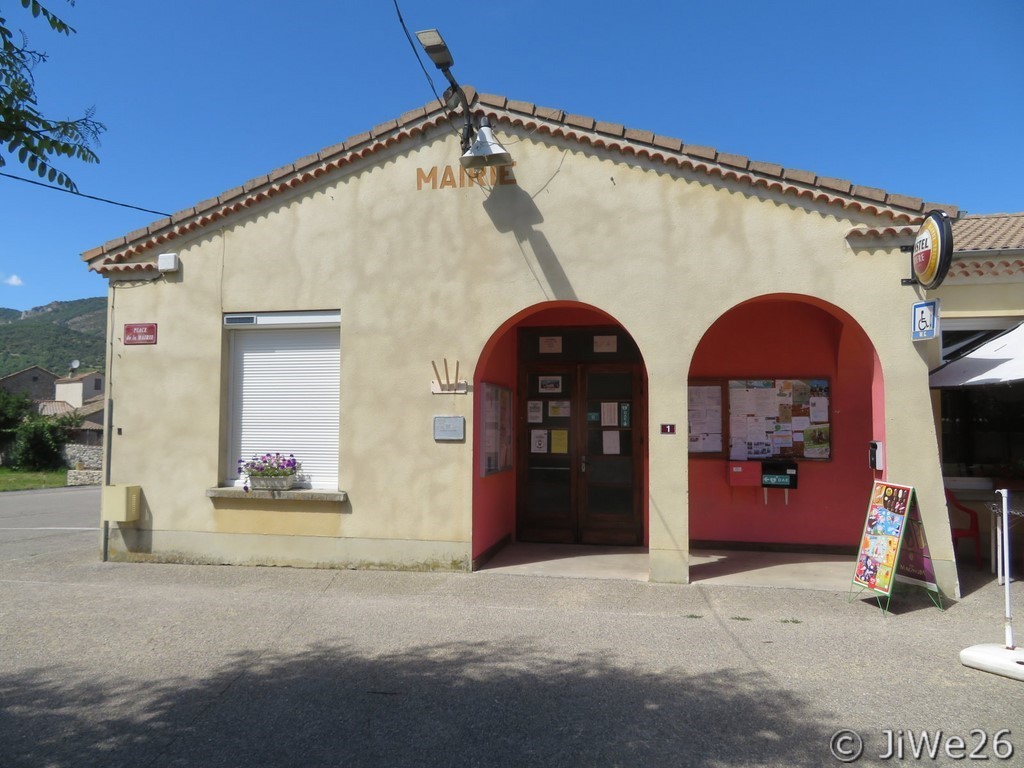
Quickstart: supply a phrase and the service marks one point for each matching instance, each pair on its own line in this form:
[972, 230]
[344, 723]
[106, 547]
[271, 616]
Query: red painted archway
[783, 336]
[494, 496]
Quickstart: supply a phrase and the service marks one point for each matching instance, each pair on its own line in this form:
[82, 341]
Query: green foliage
[39, 441]
[25, 133]
[13, 409]
[54, 335]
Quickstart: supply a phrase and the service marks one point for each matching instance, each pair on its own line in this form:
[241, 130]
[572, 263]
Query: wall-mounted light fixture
[483, 150]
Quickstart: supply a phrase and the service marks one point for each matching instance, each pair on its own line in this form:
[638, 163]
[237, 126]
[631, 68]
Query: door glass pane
[549, 489]
[610, 500]
[609, 384]
[610, 470]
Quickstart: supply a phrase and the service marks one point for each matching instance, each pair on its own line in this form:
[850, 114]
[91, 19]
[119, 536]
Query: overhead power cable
[82, 194]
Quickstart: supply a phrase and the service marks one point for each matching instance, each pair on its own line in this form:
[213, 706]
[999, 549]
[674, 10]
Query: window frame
[257, 334]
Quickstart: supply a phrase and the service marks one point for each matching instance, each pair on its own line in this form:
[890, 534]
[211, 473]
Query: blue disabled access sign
[924, 320]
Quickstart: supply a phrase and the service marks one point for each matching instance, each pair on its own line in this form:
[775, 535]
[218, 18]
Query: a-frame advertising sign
[893, 545]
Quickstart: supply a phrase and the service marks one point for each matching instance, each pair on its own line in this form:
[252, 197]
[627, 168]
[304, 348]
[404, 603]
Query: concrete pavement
[118, 664]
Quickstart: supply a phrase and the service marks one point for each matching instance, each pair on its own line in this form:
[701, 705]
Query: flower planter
[276, 483]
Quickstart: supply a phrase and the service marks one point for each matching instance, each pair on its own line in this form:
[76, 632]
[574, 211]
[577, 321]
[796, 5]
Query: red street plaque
[140, 333]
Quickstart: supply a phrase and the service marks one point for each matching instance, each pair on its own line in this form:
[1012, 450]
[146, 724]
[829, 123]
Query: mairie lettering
[451, 177]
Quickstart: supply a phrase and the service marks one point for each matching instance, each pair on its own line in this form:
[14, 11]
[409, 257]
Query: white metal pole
[1006, 565]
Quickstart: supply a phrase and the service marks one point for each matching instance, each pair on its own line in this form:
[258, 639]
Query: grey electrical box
[876, 454]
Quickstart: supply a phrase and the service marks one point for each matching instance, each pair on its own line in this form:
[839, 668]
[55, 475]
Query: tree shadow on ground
[459, 704]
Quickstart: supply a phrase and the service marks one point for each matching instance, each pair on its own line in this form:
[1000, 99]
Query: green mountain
[53, 335]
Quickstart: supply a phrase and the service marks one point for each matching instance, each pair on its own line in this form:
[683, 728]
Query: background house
[80, 389]
[35, 382]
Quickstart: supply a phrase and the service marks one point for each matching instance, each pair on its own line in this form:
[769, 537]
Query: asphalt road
[117, 664]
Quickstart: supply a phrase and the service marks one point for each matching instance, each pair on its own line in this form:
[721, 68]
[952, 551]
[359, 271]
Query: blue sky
[919, 98]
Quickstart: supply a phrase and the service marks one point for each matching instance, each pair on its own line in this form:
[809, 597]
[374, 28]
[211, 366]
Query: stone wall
[85, 476]
[89, 458]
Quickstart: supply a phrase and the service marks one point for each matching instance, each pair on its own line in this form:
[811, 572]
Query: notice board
[761, 419]
[496, 429]
[893, 546]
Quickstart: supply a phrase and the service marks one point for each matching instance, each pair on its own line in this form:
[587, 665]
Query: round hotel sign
[933, 250]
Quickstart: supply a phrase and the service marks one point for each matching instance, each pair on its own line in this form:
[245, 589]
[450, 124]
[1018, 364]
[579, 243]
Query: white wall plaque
[449, 428]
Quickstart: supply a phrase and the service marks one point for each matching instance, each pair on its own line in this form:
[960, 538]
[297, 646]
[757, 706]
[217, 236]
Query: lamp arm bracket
[467, 129]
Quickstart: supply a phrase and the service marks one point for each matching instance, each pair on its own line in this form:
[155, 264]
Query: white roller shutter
[284, 398]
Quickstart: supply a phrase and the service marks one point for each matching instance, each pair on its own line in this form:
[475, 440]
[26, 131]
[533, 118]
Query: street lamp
[484, 150]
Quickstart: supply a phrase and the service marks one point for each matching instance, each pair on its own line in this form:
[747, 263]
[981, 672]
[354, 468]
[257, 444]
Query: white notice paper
[610, 415]
[610, 441]
[538, 441]
[737, 449]
[535, 411]
[558, 408]
[819, 410]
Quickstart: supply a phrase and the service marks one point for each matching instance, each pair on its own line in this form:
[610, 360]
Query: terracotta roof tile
[614, 129]
[412, 116]
[905, 202]
[736, 161]
[768, 169]
[251, 184]
[205, 205]
[667, 142]
[903, 210]
[384, 128]
[550, 114]
[998, 231]
[307, 161]
[521, 106]
[643, 137]
[353, 141]
[580, 121]
[803, 177]
[840, 185]
[53, 407]
[281, 172]
[490, 100]
[871, 193]
[709, 153]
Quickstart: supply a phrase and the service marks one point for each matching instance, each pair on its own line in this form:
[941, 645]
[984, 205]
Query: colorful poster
[884, 530]
[915, 564]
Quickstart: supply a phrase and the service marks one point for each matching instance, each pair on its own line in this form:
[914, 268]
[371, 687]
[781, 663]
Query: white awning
[997, 361]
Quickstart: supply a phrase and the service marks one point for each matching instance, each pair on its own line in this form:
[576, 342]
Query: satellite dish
[74, 365]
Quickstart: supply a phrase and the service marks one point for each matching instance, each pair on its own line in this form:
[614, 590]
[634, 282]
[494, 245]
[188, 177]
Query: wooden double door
[580, 446]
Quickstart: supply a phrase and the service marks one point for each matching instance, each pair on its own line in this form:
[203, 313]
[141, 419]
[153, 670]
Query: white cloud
[12, 280]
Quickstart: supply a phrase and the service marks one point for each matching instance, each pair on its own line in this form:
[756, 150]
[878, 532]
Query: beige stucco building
[463, 360]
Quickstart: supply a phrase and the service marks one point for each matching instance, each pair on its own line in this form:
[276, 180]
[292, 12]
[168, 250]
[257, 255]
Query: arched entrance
[794, 344]
[574, 382]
